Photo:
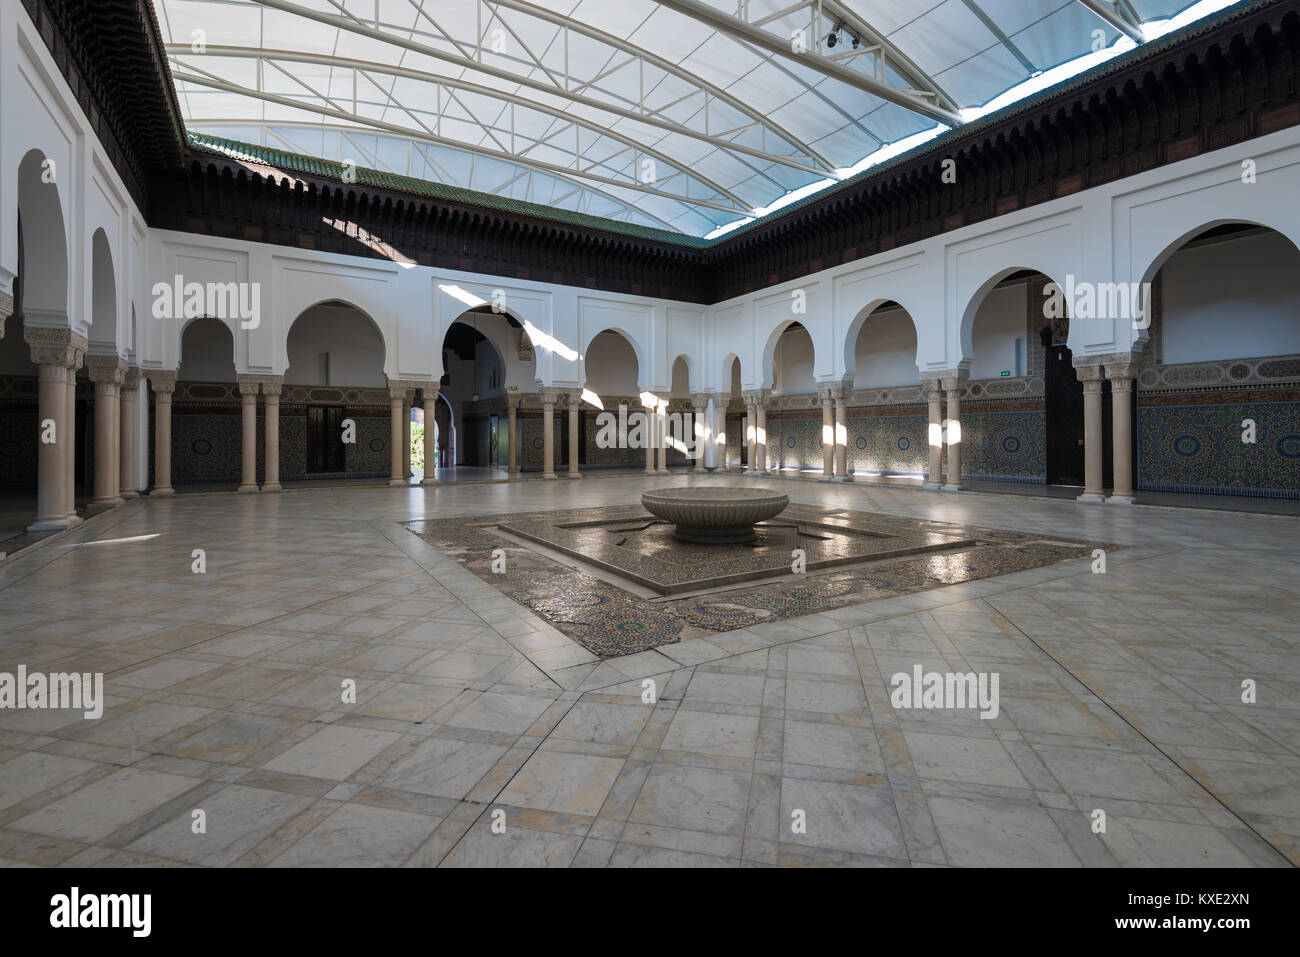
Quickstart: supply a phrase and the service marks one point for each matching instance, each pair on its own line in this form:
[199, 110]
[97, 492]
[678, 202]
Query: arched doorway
[207, 425]
[613, 371]
[1217, 406]
[887, 432]
[793, 423]
[334, 410]
[488, 363]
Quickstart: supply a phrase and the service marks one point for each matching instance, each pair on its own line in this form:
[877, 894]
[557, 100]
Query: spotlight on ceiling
[832, 39]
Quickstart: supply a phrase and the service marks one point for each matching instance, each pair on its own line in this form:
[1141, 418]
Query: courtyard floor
[773, 744]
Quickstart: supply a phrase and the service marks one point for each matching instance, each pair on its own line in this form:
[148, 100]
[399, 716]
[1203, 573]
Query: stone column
[1093, 490]
[512, 418]
[760, 431]
[828, 434]
[1121, 392]
[661, 435]
[107, 372]
[271, 388]
[842, 435]
[430, 408]
[52, 350]
[934, 435]
[700, 429]
[952, 386]
[648, 436]
[162, 384]
[720, 432]
[396, 402]
[751, 435]
[575, 403]
[69, 450]
[126, 428]
[407, 471]
[248, 386]
[548, 433]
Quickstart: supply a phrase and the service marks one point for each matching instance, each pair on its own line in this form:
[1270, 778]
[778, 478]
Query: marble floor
[230, 692]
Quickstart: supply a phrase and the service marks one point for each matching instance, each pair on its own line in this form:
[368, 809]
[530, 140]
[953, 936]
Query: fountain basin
[714, 515]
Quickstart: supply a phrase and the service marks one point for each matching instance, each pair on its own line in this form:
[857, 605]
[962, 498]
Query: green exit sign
[1005, 373]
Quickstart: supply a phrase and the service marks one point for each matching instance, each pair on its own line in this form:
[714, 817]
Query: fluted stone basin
[722, 515]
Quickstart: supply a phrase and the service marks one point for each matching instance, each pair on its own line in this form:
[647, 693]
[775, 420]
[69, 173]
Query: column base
[128, 494]
[429, 482]
[824, 477]
[1091, 498]
[954, 488]
[273, 487]
[842, 478]
[548, 475]
[247, 489]
[576, 475]
[1120, 500]
[699, 468]
[51, 525]
[165, 490]
[394, 483]
[651, 472]
[661, 471]
[931, 487]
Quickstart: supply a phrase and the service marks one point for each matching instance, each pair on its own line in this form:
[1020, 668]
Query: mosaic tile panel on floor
[848, 557]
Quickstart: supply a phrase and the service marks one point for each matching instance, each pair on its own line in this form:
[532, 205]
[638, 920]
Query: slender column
[271, 387]
[107, 373]
[661, 435]
[699, 425]
[430, 460]
[1093, 490]
[548, 433]
[1121, 393]
[760, 431]
[512, 419]
[407, 471]
[248, 395]
[69, 450]
[396, 402]
[828, 435]
[648, 434]
[751, 435]
[934, 435]
[720, 432]
[51, 426]
[952, 386]
[841, 437]
[126, 428]
[162, 384]
[575, 402]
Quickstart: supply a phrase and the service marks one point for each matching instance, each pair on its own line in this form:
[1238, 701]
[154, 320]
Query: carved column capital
[272, 386]
[513, 399]
[161, 380]
[131, 378]
[248, 384]
[551, 396]
[110, 370]
[53, 345]
[399, 388]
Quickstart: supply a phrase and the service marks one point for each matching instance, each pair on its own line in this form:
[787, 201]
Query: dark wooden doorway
[1064, 401]
[325, 450]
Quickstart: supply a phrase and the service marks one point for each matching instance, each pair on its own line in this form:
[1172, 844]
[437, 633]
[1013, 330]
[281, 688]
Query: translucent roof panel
[687, 115]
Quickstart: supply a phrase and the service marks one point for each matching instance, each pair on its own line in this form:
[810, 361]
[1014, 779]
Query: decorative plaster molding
[161, 380]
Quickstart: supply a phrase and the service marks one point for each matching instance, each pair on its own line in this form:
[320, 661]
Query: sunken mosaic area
[695, 590]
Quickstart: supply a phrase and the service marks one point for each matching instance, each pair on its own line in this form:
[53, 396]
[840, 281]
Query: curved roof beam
[425, 135]
[820, 164]
[732, 26]
[1120, 16]
[178, 50]
[902, 64]
[271, 127]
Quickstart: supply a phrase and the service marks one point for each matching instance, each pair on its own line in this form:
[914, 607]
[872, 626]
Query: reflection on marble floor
[848, 557]
[1119, 692]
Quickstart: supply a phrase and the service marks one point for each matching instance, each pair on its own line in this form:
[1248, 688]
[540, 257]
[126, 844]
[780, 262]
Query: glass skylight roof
[689, 115]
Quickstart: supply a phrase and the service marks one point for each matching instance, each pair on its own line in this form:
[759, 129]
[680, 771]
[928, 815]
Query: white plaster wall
[355, 349]
[207, 352]
[611, 366]
[999, 323]
[885, 350]
[794, 363]
[1235, 299]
